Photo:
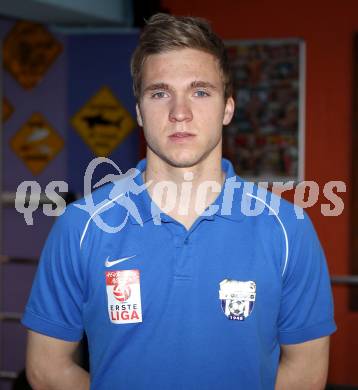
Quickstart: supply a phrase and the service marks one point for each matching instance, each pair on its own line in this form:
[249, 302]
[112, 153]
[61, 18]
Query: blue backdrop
[95, 61]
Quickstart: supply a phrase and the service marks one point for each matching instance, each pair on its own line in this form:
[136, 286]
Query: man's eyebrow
[166, 87]
[202, 84]
[156, 86]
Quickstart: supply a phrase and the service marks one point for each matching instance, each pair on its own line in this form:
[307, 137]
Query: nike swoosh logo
[114, 262]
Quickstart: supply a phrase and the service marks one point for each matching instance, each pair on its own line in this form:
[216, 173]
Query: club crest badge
[237, 298]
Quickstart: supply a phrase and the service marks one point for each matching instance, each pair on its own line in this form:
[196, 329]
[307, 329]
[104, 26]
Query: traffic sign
[7, 109]
[29, 50]
[36, 143]
[103, 122]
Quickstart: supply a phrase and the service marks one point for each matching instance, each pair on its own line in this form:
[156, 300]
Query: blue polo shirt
[170, 308]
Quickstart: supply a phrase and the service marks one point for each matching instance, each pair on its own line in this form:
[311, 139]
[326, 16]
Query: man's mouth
[181, 136]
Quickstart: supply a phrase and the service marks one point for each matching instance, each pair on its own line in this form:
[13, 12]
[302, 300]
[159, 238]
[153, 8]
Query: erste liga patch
[123, 294]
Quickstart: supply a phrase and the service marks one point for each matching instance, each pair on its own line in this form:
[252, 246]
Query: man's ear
[229, 111]
[139, 115]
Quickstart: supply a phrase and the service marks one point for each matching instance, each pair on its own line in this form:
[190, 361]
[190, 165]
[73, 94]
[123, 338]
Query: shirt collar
[227, 203]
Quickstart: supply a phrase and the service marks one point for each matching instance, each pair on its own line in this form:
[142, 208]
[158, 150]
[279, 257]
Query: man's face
[182, 107]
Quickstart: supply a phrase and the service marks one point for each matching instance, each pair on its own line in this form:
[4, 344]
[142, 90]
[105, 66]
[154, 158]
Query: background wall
[327, 27]
[87, 63]
[95, 61]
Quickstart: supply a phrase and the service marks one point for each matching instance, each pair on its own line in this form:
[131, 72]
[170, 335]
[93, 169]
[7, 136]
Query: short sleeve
[306, 309]
[54, 307]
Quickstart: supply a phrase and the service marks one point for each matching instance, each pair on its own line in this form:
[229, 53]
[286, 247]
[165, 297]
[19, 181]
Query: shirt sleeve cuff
[305, 334]
[50, 328]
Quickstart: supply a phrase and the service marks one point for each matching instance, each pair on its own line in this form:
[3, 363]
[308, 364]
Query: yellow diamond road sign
[103, 122]
[7, 110]
[36, 143]
[28, 51]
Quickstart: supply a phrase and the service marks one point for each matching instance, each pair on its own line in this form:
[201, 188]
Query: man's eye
[201, 93]
[159, 95]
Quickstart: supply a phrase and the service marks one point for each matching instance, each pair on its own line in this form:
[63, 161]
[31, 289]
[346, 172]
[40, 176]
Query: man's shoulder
[78, 213]
[256, 199]
[256, 202]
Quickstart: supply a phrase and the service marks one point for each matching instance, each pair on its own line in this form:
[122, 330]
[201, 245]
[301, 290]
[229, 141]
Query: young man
[202, 296]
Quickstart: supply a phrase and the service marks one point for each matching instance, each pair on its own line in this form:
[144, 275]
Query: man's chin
[183, 165]
[173, 158]
[182, 159]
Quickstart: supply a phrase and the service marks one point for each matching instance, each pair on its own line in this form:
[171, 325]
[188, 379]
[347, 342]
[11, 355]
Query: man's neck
[192, 189]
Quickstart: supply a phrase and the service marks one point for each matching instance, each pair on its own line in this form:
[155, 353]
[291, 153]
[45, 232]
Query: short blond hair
[165, 32]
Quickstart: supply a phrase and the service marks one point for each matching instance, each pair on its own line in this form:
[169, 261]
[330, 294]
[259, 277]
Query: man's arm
[303, 366]
[50, 364]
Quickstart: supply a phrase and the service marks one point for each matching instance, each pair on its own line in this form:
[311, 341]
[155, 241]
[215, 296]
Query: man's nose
[180, 110]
